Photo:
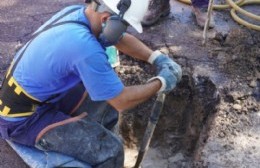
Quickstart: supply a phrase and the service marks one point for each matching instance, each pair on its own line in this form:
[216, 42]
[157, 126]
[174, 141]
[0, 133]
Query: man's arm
[133, 47]
[134, 95]
[168, 74]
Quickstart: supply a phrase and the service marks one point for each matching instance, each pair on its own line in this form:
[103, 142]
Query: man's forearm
[134, 95]
[133, 47]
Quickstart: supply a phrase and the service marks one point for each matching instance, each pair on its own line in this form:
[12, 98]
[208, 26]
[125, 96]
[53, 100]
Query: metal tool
[156, 111]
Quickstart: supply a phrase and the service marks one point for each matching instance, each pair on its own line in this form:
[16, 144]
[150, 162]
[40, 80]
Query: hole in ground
[181, 128]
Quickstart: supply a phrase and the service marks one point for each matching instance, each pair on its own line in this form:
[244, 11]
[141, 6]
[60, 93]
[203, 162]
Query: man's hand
[168, 71]
[165, 61]
[167, 77]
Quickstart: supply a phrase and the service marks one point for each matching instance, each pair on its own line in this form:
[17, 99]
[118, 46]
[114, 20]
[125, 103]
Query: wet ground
[212, 118]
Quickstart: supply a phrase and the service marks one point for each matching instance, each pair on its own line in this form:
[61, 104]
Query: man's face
[103, 17]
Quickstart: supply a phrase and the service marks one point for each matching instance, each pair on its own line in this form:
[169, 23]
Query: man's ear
[105, 17]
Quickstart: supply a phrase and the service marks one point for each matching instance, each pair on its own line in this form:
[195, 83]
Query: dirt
[211, 119]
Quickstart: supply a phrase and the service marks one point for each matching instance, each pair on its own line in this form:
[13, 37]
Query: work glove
[168, 71]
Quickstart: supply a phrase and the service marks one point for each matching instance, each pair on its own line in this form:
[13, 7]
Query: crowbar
[156, 111]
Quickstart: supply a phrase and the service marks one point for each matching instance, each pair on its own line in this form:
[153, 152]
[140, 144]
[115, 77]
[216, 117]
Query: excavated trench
[182, 127]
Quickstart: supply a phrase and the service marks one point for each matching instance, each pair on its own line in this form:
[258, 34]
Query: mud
[185, 117]
[211, 119]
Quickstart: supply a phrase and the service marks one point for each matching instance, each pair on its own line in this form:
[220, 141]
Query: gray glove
[168, 71]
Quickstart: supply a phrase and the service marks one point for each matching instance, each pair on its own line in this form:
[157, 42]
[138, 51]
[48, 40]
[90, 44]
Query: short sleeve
[99, 78]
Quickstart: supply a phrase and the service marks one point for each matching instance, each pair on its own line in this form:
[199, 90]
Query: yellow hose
[218, 7]
[235, 7]
[243, 22]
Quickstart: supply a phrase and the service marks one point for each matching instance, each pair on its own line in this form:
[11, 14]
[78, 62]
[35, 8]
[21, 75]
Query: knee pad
[112, 31]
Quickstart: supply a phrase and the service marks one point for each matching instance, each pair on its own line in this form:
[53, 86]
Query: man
[64, 68]
[161, 8]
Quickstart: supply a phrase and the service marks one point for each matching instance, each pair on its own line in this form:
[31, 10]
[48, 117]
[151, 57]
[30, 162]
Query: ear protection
[112, 31]
[115, 26]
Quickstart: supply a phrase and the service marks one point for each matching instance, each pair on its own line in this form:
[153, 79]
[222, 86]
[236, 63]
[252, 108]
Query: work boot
[156, 10]
[201, 16]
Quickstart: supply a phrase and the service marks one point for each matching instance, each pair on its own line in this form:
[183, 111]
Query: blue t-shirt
[61, 57]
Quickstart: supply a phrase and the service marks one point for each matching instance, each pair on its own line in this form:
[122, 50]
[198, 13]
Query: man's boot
[156, 10]
[201, 16]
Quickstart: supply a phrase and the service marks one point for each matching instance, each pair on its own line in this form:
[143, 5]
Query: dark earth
[211, 119]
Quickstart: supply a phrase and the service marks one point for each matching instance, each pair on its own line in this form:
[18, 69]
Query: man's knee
[101, 112]
[110, 118]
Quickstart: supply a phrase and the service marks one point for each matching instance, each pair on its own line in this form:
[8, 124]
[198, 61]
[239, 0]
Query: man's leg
[76, 101]
[88, 138]
[85, 140]
[49, 128]
[156, 10]
[200, 8]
